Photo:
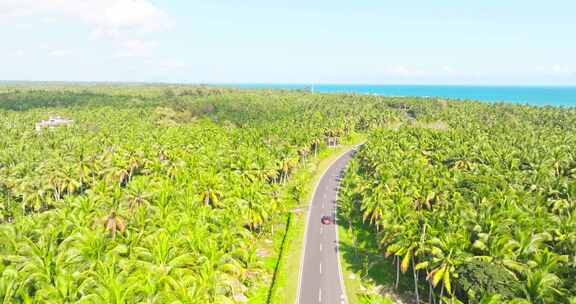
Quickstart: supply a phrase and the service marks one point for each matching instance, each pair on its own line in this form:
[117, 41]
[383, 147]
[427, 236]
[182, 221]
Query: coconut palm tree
[114, 223]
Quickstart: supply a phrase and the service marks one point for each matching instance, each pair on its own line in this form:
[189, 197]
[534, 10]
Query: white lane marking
[320, 268]
[320, 247]
[320, 229]
[303, 253]
[322, 204]
[324, 195]
[320, 295]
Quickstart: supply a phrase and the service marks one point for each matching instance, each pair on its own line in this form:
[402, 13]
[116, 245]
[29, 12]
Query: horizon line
[303, 84]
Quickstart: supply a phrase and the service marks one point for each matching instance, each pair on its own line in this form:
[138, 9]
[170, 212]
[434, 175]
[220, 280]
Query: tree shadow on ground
[366, 259]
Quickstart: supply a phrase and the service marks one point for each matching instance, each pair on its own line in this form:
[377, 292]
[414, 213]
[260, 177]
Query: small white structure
[332, 141]
[52, 122]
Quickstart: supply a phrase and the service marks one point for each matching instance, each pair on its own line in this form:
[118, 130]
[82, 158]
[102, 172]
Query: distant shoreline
[537, 95]
[533, 95]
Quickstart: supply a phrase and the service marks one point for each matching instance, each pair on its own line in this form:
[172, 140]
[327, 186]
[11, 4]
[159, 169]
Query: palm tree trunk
[397, 258]
[415, 272]
[430, 289]
[350, 225]
[441, 292]
[430, 298]
[57, 195]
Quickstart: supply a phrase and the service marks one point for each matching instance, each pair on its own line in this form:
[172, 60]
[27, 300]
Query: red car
[326, 220]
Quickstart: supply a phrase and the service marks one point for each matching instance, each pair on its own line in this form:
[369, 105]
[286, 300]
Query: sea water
[533, 95]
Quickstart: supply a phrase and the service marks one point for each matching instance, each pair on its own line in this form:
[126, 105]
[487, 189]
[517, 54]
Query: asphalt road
[320, 275]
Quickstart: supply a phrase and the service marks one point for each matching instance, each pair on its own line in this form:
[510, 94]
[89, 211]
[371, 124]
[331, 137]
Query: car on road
[326, 220]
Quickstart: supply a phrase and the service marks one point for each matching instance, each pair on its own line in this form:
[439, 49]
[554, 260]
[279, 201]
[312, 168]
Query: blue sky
[297, 41]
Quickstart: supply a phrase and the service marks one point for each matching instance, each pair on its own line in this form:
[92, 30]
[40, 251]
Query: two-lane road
[320, 274]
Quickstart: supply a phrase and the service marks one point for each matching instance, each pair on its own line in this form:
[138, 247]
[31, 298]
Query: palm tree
[9, 285]
[109, 284]
[114, 223]
[136, 194]
[541, 287]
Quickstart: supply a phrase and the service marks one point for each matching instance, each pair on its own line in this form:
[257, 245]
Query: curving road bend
[320, 274]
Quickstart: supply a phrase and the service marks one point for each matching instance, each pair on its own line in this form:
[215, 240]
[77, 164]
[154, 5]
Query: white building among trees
[52, 122]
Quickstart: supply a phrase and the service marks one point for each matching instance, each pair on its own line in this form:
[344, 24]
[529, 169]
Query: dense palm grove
[480, 208]
[166, 194]
[153, 194]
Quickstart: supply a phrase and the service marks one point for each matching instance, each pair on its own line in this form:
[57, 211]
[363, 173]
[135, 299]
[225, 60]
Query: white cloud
[19, 53]
[59, 53]
[23, 26]
[55, 51]
[49, 20]
[123, 22]
[402, 71]
[557, 69]
[130, 13]
[448, 69]
[405, 71]
[169, 65]
[136, 48]
[11, 10]
[103, 15]
[561, 69]
[101, 33]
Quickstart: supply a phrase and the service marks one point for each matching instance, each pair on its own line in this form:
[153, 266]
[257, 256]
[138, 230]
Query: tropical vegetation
[155, 193]
[471, 202]
[181, 194]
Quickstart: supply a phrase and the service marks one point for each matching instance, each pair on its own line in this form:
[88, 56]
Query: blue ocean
[534, 95]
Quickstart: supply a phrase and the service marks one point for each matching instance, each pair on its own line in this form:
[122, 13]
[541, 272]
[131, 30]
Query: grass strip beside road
[352, 272]
[369, 278]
